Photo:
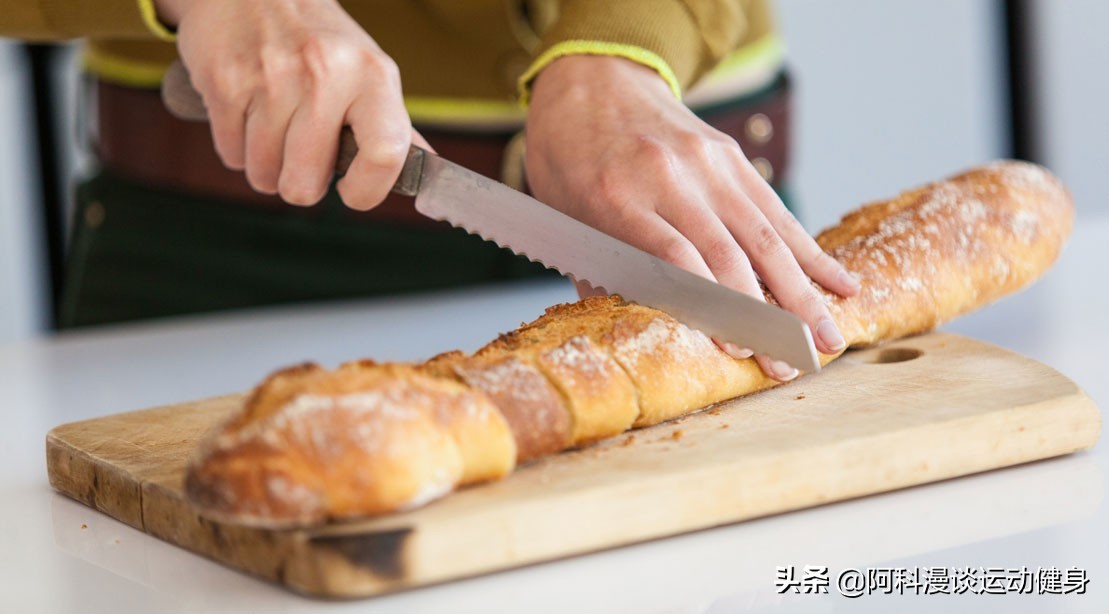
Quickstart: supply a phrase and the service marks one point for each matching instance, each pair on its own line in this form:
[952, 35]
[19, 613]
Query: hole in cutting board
[892, 355]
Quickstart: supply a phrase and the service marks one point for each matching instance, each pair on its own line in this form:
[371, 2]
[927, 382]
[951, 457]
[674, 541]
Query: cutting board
[920, 410]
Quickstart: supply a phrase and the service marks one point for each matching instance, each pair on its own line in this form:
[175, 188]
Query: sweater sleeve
[681, 39]
[65, 19]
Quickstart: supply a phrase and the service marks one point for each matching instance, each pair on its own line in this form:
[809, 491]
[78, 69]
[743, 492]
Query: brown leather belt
[137, 138]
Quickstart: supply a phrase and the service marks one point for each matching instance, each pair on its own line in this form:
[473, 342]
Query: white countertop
[60, 556]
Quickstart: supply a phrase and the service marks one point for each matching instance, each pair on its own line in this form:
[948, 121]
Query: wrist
[577, 76]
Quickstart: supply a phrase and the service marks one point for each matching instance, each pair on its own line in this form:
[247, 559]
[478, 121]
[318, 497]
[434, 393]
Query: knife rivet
[759, 129]
[765, 169]
[94, 215]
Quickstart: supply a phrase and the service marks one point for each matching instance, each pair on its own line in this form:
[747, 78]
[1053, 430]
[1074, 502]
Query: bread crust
[530, 404]
[565, 345]
[367, 438]
[941, 250]
[364, 439]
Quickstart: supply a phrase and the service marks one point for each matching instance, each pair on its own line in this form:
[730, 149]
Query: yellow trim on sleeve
[640, 55]
[150, 18]
[124, 71]
[480, 112]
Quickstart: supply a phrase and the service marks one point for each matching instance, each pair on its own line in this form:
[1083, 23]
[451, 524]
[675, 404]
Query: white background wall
[1071, 73]
[891, 94]
[22, 270]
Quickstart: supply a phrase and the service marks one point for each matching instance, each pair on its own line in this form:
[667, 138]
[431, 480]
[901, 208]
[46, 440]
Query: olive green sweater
[476, 49]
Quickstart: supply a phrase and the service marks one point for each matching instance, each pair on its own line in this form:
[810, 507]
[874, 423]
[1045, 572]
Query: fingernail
[782, 371]
[830, 335]
[735, 351]
[849, 280]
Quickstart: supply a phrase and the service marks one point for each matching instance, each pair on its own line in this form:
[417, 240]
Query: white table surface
[58, 555]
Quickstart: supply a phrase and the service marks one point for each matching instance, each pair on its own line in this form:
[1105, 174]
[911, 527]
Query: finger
[672, 246]
[776, 369]
[228, 135]
[659, 237]
[266, 125]
[716, 246]
[384, 134]
[822, 268]
[311, 146]
[732, 268]
[723, 256]
[226, 97]
[733, 350]
[777, 267]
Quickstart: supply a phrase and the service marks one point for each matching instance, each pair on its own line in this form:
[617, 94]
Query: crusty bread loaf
[312, 445]
[363, 439]
[939, 251]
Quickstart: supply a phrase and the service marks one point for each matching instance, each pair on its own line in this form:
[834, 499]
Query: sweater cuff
[150, 18]
[636, 54]
[660, 34]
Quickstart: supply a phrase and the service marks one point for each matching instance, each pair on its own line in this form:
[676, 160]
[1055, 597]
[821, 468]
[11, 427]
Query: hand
[280, 78]
[610, 145]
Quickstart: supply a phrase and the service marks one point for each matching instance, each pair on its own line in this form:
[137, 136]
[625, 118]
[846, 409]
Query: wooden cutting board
[916, 411]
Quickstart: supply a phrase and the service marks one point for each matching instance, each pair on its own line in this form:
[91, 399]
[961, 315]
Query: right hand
[280, 78]
[610, 145]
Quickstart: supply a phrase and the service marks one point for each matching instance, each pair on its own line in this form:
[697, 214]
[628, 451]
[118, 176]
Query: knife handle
[184, 102]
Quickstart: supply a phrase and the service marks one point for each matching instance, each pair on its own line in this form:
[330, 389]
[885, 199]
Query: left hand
[609, 145]
[280, 79]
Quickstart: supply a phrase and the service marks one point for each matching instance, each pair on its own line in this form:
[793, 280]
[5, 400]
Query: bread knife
[448, 192]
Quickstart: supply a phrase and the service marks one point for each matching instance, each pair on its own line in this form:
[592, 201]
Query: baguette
[312, 445]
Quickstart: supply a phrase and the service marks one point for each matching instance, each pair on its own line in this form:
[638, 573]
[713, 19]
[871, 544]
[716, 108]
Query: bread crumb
[84, 526]
[714, 411]
[676, 435]
[801, 396]
[629, 440]
[724, 426]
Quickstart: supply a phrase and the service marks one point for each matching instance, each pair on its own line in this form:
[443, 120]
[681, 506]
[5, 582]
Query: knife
[451, 193]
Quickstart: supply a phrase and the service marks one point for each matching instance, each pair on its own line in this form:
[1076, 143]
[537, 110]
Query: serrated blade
[513, 220]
